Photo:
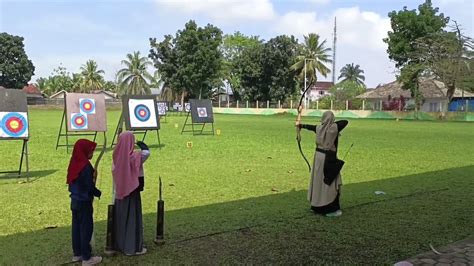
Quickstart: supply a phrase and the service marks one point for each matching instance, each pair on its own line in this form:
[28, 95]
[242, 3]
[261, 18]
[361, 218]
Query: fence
[334, 105]
[346, 109]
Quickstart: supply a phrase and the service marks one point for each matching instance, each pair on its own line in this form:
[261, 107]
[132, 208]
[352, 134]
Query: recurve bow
[298, 129]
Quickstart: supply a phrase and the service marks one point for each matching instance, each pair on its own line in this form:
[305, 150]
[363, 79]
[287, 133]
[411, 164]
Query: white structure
[320, 90]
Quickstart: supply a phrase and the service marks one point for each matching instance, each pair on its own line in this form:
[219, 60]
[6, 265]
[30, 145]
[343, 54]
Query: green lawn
[241, 197]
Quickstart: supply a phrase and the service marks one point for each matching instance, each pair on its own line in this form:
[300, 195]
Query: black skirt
[331, 207]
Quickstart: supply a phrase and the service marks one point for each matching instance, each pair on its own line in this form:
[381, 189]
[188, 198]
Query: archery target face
[79, 121]
[142, 113]
[187, 107]
[202, 112]
[87, 106]
[162, 108]
[13, 125]
[92, 109]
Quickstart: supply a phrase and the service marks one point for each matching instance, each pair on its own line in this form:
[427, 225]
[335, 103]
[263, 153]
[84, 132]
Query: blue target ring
[79, 121]
[14, 124]
[142, 112]
[87, 106]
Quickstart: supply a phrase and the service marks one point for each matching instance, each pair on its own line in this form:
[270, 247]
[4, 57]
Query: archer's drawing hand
[142, 145]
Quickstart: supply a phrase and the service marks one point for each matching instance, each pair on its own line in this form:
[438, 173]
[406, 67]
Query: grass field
[241, 197]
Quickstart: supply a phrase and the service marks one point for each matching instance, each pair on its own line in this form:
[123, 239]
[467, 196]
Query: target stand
[65, 133]
[23, 158]
[162, 107]
[84, 115]
[120, 127]
[201, 114]
[195, 127]
[14, 125]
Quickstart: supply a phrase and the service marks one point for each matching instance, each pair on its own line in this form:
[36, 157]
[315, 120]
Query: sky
[69, 33]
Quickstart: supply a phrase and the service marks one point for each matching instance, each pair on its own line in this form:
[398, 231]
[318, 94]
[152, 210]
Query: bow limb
[298, 129]
[96, 165]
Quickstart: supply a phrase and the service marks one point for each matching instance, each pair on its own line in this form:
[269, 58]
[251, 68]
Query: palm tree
[157, 82]
[352, 73]
[134, 79]
[316, 56]
[77, 82]
[92, 77]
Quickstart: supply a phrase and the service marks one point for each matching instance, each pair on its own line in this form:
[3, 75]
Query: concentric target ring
[79, 121]
[142, 112]
[87, 106]
[14, 124]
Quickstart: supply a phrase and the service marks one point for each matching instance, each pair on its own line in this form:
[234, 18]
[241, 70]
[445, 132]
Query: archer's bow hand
[300, 108]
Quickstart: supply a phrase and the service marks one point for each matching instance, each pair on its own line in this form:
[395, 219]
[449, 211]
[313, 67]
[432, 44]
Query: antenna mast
[334, 54]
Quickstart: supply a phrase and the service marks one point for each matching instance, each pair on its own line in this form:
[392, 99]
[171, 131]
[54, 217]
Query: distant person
[325, 185]
[81, 180]
[127, 171]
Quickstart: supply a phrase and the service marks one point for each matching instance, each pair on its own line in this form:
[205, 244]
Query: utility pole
[334, 54]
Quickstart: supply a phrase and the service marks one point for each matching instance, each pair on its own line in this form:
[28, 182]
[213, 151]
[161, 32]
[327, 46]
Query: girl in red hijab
[80, 178]
[127, 170]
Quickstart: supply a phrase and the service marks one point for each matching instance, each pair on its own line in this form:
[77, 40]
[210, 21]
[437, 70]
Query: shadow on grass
[32, 175]
[416, 210]
[159, 146]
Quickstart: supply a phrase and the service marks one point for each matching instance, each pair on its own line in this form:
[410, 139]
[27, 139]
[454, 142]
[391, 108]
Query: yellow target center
[14, 124]
[79, 121]
[87, 106]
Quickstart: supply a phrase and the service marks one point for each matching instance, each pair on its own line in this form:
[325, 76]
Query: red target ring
[14, 124]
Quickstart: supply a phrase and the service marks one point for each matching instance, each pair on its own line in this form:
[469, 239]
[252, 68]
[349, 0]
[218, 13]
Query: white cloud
[359, 38]
[224, 11]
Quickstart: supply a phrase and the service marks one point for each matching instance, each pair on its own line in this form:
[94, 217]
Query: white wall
[315, 95]
[433, 105]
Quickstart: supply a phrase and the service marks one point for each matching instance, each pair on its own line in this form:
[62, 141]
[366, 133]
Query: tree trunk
[182, 98]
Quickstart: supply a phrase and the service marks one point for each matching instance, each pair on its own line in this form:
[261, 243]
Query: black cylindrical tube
[109, 246]
[160, 222]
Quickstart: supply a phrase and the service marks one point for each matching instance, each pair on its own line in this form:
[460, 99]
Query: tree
[157, 81]
[316, 56]
[16, 69]
[278, 80]
[77, 81]
[134, 79]
[92, 77]
[164, 57]
[446, 56]
[352, 73]
[191, 61]
[60, 79]
[347, 91]
[232, 48]
[468, 77]
[250, 71]
[110, 86]
[408, 26]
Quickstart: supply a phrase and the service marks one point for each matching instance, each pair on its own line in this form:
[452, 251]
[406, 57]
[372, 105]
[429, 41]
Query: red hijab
[80, 158]
[126, 165]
